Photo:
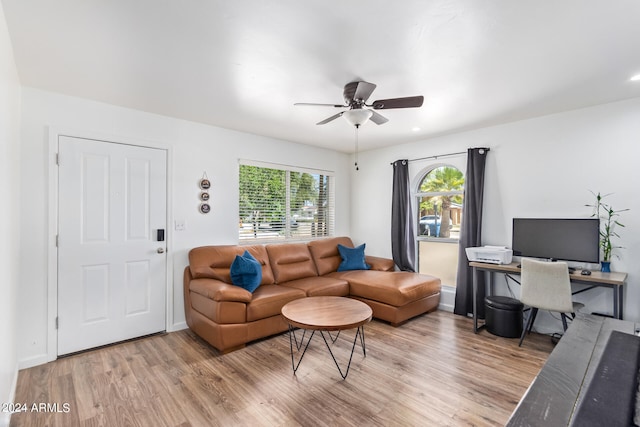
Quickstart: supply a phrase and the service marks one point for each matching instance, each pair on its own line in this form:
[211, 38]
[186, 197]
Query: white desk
[613, 280]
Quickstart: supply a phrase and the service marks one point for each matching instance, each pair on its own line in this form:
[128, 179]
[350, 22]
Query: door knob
[160, 250]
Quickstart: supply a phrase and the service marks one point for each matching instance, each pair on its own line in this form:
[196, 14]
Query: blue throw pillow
[246, 272]
[352, 258]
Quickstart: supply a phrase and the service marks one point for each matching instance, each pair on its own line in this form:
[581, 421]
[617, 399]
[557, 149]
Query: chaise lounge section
[228, 316]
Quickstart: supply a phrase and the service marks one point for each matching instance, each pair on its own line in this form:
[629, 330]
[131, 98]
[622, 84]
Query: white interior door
[111, 264]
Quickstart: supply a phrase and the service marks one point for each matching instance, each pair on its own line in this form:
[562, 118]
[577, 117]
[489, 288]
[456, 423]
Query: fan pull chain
[356, 154]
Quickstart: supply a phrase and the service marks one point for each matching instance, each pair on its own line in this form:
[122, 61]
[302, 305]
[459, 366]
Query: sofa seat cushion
[396, 288]
[320, 286]
[268, 300]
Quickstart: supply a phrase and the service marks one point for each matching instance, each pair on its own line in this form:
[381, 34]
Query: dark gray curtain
[471, 233]
[403, 239]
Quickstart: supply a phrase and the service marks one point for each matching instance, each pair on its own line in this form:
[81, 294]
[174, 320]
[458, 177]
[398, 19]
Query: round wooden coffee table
[326, 314]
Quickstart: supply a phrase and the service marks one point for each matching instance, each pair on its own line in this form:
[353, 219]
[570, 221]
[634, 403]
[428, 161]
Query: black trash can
[503, 316]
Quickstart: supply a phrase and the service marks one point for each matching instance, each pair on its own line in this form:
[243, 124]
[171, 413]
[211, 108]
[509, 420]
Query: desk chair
[546, 285]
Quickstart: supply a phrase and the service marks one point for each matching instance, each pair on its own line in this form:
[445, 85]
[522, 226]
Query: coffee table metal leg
[334, 339]
[364, 350]
[359, 333]
[292, 337]
[295, 337]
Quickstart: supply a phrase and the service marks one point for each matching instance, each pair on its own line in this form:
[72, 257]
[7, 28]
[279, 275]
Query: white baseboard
[5, 417]
[40, 359]
[447, 298]
[178, 326]
[446, 307]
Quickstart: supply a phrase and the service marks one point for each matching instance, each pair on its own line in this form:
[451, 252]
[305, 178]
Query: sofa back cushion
[291, 261]
[214, 262]
[325, 253]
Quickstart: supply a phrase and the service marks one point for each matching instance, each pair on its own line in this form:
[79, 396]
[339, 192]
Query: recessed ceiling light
[635, 78]
[416, 129]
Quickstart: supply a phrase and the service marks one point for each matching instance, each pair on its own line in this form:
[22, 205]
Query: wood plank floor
[430, 371]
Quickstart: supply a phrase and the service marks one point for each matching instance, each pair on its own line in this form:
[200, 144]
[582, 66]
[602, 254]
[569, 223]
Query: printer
[490, 254]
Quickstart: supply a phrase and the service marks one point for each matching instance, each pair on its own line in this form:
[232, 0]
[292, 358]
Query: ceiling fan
[358, 111]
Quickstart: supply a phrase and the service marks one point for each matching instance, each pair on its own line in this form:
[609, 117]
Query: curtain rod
[439, 156]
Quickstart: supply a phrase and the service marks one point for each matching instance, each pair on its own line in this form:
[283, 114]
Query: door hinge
[57, 240]
[56, 322]
[58, 159]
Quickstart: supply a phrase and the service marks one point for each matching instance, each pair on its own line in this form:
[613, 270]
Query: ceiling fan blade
[364, 90]
[357, 90]
[377, 118]
[312, 104]
[327, 120]
[408, 102]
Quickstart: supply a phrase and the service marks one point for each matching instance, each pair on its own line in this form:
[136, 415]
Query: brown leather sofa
[228, 316]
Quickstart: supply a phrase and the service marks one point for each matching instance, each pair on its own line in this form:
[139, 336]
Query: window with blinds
[284, 203]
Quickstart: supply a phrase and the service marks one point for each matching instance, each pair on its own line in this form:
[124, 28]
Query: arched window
[440, 198]
[440, 195]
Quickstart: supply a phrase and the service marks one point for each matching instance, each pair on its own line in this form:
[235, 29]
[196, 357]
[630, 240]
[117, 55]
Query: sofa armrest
[381, 264]
[219, 291]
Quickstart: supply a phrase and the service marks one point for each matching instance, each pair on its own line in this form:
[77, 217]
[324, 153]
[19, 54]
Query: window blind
[278, 202]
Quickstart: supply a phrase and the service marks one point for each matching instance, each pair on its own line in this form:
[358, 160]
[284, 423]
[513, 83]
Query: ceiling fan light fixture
[357, 117]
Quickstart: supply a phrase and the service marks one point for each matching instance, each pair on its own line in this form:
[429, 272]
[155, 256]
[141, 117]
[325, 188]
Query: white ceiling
[241, 64]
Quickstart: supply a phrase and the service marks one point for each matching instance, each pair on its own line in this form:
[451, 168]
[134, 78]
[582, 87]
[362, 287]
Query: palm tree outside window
[440, 196]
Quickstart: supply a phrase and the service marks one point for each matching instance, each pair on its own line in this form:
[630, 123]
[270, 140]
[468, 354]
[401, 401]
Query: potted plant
[608, 222]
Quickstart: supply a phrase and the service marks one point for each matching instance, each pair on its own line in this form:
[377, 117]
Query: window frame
[429, 239]
[418, 195]
[288, 236]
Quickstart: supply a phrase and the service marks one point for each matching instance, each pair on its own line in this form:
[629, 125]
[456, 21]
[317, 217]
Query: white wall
[540, 167]
[194, 149]
[9, 215]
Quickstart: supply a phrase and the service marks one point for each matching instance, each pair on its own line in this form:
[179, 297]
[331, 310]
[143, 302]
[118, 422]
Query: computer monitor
[565, 239]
